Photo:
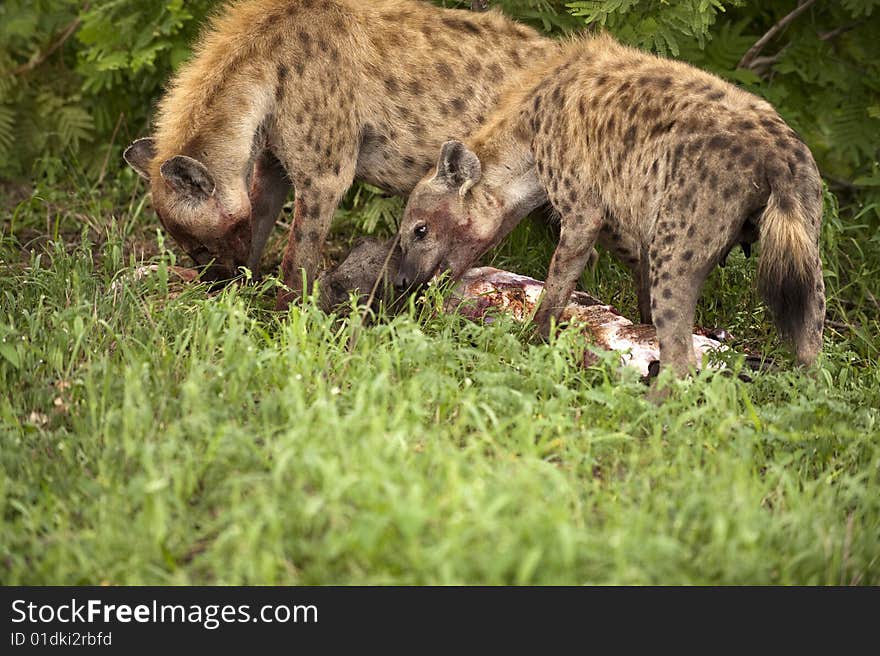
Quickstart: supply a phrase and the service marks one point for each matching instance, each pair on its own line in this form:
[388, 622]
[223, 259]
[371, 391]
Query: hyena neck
[226, 138]
[504, 147]
[510, 183]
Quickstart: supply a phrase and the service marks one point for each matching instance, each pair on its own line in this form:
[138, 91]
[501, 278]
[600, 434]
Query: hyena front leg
[580, 228]
[269, 189]
[316, 199]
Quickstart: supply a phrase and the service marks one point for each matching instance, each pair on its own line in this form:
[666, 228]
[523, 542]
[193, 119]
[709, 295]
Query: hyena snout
[417, 266]
[237, 243]
[401, 283]
[407, 277]
[225, 256]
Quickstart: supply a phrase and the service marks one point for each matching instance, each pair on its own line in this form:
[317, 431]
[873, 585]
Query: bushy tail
[790, 271]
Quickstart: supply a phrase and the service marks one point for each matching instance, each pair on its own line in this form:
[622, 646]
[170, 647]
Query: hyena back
[315, 94]
[667, 166]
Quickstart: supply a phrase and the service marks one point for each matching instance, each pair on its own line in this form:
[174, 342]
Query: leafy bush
[76, 76]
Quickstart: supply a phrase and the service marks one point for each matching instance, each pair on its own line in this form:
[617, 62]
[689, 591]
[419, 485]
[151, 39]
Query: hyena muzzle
[314, 94]
[667, 166]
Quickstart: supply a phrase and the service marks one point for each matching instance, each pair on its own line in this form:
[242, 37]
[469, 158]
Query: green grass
[159, 434]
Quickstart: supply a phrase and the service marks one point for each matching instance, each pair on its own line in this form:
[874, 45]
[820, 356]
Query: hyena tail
[790, 271]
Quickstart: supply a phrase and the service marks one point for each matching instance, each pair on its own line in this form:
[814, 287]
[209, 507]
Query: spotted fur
[315, 94]
[667, 166]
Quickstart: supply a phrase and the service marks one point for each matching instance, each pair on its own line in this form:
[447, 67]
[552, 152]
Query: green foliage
[654, 24]
[74, 75]
[368, 209]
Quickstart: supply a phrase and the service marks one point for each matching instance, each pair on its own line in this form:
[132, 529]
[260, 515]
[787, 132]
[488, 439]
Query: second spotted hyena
[666, 165]
[315, 94]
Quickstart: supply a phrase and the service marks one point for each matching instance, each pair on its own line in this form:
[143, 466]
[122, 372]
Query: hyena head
[444, 224]
[185, 199]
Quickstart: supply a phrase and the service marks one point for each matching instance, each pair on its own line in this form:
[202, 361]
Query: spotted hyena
[315, 94]
[667, 166]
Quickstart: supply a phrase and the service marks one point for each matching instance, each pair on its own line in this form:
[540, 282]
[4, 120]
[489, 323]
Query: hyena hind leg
[576, 241]
[676, 282]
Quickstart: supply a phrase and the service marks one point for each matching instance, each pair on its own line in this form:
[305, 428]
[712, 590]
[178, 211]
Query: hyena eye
[420, 231]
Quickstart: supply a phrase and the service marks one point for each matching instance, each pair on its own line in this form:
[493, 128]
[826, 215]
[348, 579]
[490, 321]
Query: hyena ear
[139, 155]
[459, 168]
[188, 177]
